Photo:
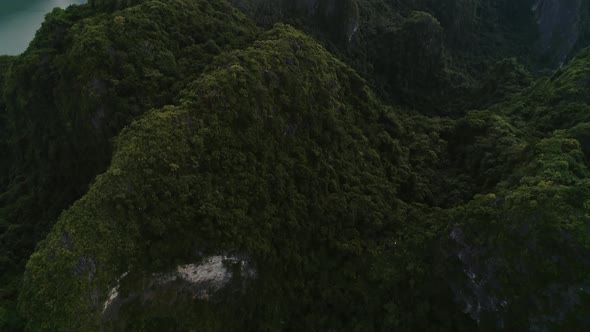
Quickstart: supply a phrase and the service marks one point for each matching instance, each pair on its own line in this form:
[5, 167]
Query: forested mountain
[258, 165]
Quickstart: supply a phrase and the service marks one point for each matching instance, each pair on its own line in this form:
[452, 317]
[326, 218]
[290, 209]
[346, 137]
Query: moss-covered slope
[558, 102]
[269, 154]
[86, 75]
[114, 67]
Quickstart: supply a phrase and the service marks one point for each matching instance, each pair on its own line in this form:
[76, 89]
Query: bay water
[20, 19]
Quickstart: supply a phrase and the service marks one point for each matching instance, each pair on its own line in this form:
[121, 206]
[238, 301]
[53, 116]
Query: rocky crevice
[557, 23]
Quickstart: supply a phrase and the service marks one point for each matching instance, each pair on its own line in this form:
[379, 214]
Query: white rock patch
[212, 273]
[211, 270]
[114, 293]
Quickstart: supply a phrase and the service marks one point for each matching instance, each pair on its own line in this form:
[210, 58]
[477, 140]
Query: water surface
[20, 19]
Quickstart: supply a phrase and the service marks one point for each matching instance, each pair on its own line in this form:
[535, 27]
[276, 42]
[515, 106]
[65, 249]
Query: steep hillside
[526, 241]
[557, 102]
[85, 76]
[273, 156]
[9, 270]
[112, 71]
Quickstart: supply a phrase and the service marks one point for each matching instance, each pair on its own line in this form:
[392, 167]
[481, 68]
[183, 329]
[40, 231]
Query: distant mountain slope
[434, 61]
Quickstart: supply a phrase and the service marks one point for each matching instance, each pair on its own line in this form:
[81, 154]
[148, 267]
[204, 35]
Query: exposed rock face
[557, 22]
[198, 281]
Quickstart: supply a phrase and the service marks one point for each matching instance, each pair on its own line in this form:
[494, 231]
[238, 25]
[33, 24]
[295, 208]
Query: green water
[20, 19]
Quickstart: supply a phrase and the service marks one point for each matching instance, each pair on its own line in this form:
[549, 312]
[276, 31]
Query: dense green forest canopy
[370, 165]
